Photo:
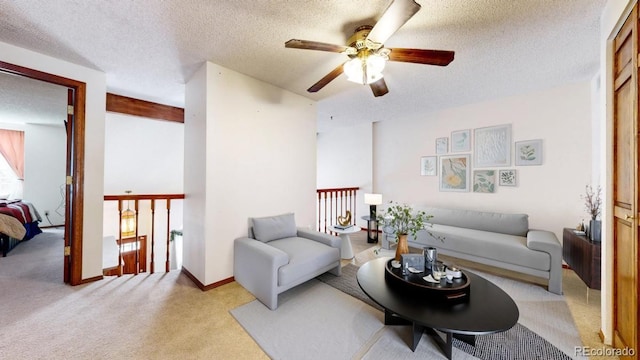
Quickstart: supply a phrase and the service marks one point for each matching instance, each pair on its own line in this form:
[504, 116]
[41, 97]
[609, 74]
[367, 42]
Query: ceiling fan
[366, 51]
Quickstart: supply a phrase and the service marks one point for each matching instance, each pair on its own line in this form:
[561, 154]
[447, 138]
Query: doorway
[74, 184]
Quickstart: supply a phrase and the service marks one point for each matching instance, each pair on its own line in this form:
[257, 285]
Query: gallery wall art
[429, 166]
[492, 146]
[507, 177]
[461, 141]
[454, 173]
[484, 181]
[442, 145]
[529, 152]
[489, 147]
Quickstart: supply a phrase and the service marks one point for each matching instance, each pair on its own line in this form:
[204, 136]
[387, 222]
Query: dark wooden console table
[583, 256]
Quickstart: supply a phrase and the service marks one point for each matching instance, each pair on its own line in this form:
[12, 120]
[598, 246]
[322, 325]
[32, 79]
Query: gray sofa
[277, 256]
[501, 240]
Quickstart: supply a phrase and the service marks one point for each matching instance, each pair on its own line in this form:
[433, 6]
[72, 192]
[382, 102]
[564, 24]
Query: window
[8, 180]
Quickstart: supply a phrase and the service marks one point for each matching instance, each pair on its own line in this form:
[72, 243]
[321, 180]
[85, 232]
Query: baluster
[119, 241]
[153, 231]
[137, 257]
[319, 210]
[332, 205]
[168, 265]
[325, 212]
[355, 206]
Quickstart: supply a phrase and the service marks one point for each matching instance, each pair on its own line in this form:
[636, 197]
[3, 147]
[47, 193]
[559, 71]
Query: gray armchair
[277, 256]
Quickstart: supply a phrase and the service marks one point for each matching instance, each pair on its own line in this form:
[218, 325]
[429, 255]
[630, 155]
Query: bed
[18, 222]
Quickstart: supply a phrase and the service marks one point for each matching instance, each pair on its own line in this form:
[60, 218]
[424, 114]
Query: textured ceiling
[150, 48]
[24, 100]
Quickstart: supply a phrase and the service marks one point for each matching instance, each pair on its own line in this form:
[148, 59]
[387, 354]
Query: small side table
[346, 252]
[372, 229]
[583, 256]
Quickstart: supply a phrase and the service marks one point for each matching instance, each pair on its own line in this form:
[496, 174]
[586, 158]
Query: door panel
[625, 186]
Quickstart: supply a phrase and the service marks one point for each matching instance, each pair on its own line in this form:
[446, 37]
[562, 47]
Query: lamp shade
[365, 70]
[373, 199]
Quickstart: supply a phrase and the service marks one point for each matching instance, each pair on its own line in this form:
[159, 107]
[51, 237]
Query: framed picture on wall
[529, 152]
[484, 181]
[454, 173]
[507, 177]
[492, 146]
[442, 145]
[461, 141]
[429, 166]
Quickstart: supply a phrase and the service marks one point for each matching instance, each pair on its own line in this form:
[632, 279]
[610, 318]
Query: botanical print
[529, 152]
[429, 166]
[442, 145]
[484, 181]
[492, 146]
[461, 141]
[454, 173]
[507, 177]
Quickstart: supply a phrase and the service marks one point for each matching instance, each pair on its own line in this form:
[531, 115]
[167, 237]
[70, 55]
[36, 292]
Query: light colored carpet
[147, 316]
[287, 332]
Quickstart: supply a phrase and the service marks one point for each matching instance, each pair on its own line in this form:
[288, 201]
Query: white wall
[259, 145]
[195, 174]
[613, 16]
[45, 151]
[345, 159]
[94, 144]
[549, 193]
[145, 156]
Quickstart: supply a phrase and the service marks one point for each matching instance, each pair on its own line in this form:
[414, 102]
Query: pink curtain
[12, 148]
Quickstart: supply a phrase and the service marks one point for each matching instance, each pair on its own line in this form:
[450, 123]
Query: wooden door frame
[75, 200]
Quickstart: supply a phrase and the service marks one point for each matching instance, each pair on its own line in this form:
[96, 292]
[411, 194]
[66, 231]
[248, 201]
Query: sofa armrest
[329, 240]
[547, 241]
[259, 255]
[543, 240]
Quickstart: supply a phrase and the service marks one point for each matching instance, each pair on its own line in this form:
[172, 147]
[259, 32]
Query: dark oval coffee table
[488, 310]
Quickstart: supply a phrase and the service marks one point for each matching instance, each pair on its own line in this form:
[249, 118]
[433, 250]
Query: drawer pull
[628, 217]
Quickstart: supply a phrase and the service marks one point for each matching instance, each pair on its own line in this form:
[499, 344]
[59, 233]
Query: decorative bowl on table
[425, 285]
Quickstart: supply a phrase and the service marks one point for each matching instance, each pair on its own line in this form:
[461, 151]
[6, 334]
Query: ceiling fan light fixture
[365, 70]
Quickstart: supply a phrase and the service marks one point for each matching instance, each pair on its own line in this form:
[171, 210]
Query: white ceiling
[24, 100]
[150, 48]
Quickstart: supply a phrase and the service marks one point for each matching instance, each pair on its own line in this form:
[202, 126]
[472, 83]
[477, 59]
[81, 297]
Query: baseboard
[50, 226]
[204, 287]
[92, 279]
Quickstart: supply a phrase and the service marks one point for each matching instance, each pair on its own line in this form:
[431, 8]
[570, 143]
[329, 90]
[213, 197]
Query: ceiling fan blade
[379, 87]
[326, 79]
[419, 56]
[396, 15]
[314, 45]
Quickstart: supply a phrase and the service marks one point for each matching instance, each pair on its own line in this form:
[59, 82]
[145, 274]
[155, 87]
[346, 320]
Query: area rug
[335, 323]
[312, 321]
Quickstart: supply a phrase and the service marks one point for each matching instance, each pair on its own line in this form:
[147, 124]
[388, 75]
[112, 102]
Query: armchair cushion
[276, 227]
[305, 256]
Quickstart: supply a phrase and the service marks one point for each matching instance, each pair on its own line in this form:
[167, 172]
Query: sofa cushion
[271, 228]
[305, 257]
[511, 224]
[500, 247]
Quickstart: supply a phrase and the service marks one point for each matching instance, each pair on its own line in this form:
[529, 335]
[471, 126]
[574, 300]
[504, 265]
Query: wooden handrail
[143, 197]
[121, 198]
